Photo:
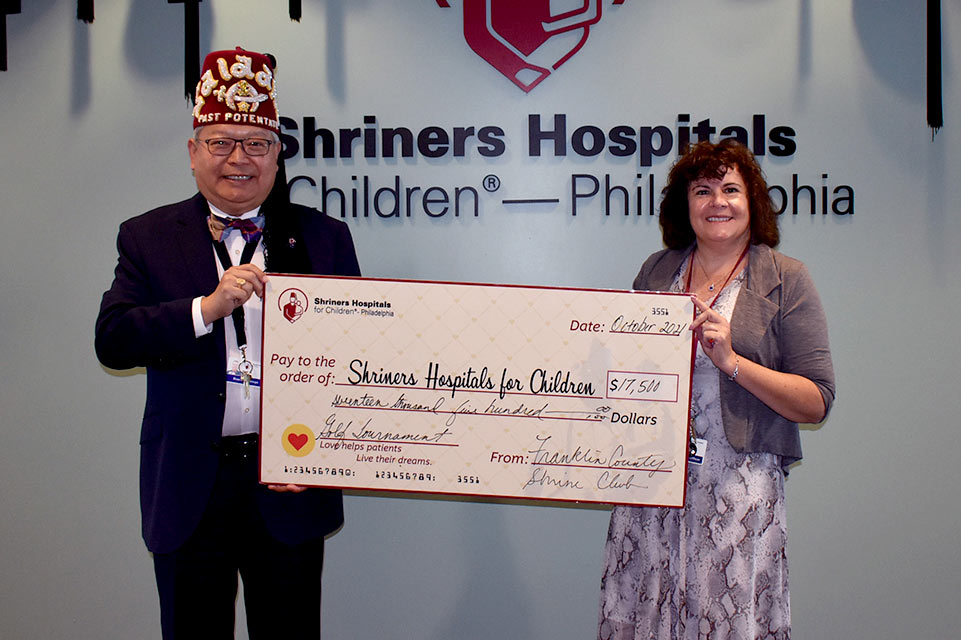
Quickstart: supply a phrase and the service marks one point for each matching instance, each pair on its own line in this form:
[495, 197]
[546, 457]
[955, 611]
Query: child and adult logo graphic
[527, 41]
[293, 304]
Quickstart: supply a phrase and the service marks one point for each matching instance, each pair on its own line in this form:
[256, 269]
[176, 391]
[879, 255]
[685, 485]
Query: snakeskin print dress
[716, 569]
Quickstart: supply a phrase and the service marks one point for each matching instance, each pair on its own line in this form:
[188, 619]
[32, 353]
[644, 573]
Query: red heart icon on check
[297, 440]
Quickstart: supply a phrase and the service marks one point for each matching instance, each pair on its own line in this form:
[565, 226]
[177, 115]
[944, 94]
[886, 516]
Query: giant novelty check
[470, 389]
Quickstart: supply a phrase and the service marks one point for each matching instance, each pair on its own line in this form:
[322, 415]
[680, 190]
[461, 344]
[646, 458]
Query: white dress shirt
[242, 413]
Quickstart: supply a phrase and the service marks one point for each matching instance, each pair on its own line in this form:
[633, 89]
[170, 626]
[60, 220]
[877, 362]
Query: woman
[717, 567]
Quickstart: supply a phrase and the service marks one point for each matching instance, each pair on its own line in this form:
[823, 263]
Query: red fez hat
[236, 87]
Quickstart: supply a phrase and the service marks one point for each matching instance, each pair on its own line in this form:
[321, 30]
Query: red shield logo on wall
[530, 39]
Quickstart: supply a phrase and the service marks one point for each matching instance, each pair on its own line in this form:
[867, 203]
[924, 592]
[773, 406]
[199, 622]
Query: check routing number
[472, 389]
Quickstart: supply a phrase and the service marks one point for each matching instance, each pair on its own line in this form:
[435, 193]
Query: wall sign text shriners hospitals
[546, 136]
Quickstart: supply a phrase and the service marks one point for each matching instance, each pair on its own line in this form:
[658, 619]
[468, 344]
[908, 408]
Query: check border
[436, 360]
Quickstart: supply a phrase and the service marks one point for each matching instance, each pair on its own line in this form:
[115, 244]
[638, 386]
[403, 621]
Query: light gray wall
[93, 126]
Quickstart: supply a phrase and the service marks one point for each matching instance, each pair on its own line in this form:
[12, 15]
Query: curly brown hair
[710, 160]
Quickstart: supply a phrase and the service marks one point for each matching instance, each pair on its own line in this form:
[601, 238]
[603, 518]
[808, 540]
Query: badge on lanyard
[699, 451]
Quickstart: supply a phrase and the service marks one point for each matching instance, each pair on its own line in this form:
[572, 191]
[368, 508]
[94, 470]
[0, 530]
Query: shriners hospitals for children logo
[292, 303]
[529, 40]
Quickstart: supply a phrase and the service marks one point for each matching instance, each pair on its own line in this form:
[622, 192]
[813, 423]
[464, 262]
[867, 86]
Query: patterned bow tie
[250, 228]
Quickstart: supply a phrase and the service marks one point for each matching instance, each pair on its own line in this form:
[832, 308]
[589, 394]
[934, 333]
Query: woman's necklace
[710, 286]
[690, 274]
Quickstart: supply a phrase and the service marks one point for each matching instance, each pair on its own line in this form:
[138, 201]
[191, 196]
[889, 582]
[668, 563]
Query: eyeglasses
[226, 146]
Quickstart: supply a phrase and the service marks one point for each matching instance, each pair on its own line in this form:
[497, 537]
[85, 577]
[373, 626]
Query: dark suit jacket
[165, 261]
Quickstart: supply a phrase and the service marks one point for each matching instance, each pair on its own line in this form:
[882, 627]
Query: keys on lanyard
[246, 369]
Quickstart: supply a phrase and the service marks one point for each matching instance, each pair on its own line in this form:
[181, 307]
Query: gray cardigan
[777, 322]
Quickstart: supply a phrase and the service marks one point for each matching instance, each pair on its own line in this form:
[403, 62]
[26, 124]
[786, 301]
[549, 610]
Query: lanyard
[693, 440]
[237, 314]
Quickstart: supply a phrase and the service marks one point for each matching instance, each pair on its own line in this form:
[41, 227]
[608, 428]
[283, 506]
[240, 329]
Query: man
[186, 304]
